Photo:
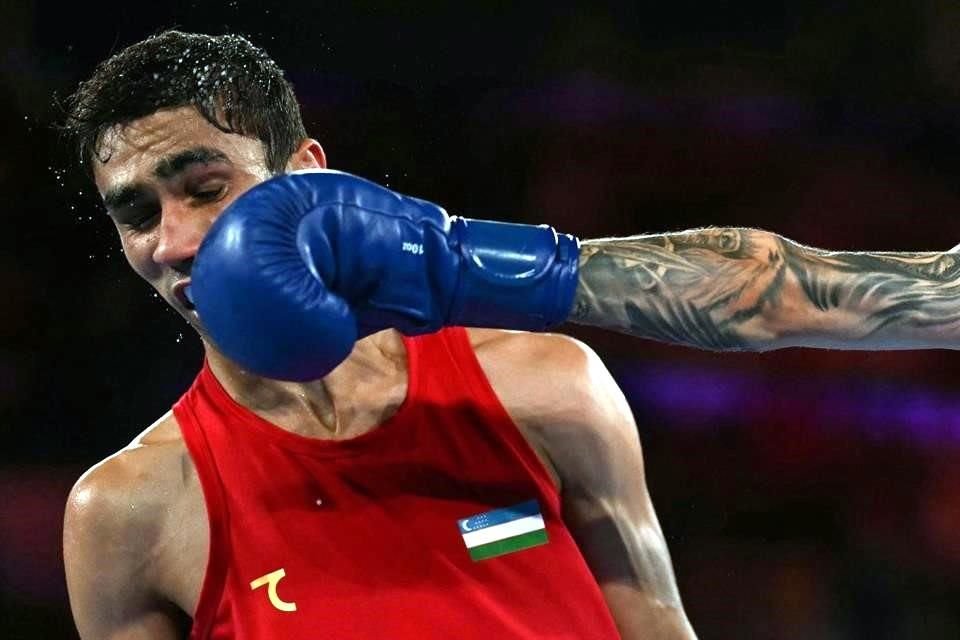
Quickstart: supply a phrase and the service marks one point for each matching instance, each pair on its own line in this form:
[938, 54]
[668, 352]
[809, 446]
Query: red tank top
[439, 523]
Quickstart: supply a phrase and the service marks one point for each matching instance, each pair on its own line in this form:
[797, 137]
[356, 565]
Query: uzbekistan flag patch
[502, 531]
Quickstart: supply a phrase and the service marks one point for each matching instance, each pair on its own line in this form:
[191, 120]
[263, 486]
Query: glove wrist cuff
[513, 276]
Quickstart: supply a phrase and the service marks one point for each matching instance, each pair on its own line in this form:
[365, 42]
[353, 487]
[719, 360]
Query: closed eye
[142, 223]
[210, 195]
[139, 216]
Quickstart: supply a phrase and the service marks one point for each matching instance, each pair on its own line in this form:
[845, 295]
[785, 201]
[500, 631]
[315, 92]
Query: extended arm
[746, 289]
[317, 259]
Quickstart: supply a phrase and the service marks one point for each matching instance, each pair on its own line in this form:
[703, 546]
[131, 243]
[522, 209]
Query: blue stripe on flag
[499, 516]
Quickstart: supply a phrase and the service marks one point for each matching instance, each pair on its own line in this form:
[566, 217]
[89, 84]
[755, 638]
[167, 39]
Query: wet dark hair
[235, 85]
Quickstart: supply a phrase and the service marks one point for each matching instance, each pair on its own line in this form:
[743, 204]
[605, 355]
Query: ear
[309, 155]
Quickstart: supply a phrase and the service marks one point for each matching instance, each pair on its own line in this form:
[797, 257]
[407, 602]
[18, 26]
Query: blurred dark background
[805, 494]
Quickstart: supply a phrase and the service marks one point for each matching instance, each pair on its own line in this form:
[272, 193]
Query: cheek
[138, 251]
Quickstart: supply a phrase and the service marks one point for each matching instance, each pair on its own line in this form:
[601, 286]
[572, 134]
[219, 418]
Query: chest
[320, 545]
[347, 526]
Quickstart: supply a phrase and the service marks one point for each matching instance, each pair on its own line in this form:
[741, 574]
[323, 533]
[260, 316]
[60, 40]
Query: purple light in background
[709, 399]
[694, 394]
[756, 114]
[582, 98]
[585, 98]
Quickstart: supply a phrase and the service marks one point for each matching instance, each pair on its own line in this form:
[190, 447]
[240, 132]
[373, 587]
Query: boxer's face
[165, 180]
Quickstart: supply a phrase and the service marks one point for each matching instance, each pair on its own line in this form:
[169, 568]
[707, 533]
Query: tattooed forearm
[745, 289]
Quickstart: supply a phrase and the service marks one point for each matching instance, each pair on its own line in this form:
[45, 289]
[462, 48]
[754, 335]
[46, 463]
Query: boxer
[469, 483]
[350, 461]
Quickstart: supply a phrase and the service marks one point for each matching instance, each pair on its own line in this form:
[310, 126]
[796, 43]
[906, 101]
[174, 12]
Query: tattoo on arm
[745, 289]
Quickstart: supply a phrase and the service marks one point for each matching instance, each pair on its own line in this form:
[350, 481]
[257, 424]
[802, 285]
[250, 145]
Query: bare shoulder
[524, 340]
[128, 486]
[114, 525]
[531, 351]
[561, 397]
[545, 376]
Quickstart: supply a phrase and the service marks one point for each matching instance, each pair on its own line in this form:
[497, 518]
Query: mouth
[181, 291]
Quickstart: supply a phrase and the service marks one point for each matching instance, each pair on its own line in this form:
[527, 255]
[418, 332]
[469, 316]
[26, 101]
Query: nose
[181, 230]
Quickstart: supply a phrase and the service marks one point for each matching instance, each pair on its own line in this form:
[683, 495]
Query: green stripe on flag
[509, 545]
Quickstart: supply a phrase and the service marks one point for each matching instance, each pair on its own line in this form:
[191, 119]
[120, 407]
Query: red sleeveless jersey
[440, 523]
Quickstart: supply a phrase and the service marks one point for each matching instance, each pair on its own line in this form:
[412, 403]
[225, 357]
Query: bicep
[608, 509]
[109, 596]
[616, 529]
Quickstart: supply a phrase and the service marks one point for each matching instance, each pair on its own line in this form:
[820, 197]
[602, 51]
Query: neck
[339, 405]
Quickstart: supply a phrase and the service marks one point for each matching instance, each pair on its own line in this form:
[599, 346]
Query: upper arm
[106, 549]
[592, 440]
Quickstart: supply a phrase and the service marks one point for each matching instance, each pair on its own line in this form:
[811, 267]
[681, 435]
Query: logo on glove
[413, 247]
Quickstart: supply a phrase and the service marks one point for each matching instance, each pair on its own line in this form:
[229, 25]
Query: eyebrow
[170, 166]
[165, 169]
[121, 197]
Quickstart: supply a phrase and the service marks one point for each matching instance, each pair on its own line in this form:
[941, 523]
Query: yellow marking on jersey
[271, 579]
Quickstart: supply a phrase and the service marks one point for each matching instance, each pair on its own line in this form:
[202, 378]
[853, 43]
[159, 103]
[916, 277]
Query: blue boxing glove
[301, 266]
